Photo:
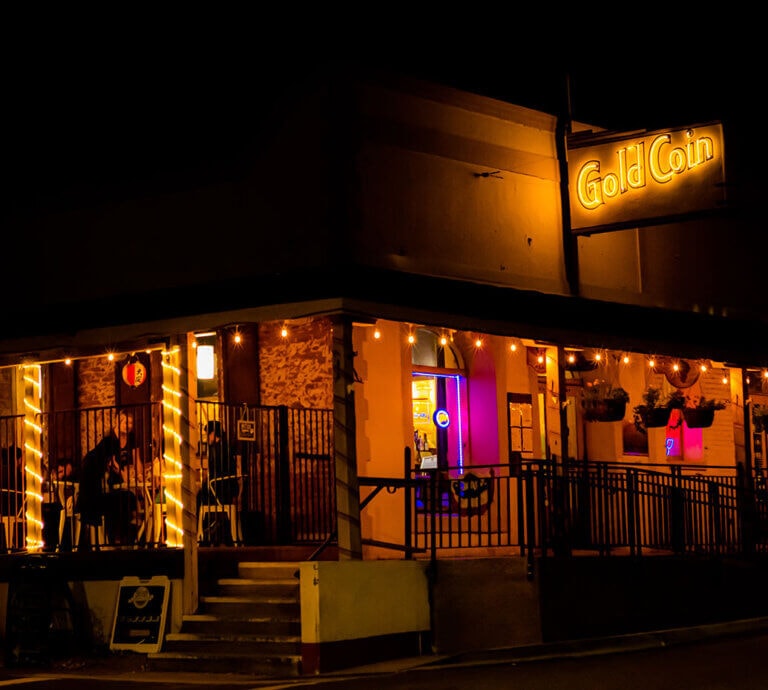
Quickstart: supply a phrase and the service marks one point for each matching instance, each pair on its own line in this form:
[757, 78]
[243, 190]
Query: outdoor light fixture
[206, 362]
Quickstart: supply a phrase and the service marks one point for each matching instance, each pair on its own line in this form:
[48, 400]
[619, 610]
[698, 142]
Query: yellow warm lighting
[67, 361]
[283, 332]
[626, 359]
[598, 357]
[411, 338]
[540, 359]
[206, 363]
[651, 363]
[513, 347]
[571, 358]
[238, 338]
[725, 379]
[111, 356]
[377, 334]
[478, 343]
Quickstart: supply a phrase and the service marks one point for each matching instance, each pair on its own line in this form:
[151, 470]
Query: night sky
[90, 112]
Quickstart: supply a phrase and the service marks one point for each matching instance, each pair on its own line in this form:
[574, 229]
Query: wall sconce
[206, 362]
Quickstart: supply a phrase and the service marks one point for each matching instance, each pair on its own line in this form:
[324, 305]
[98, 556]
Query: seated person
[223, 483]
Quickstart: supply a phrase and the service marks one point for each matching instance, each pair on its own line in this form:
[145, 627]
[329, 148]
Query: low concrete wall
[355, 612]
[483, 603]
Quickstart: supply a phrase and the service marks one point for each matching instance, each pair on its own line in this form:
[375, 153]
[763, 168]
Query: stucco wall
[346, 600]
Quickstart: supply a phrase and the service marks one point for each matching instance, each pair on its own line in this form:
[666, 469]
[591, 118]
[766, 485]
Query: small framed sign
[142, 607]
[246, 430]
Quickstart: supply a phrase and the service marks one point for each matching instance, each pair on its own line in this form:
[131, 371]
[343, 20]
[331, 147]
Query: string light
[478, 343]
[411, 338]
[377, 334]
[513, 347]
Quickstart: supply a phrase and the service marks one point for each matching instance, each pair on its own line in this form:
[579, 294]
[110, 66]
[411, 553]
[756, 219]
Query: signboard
[142, 607]
[625, 180]
[246, 430]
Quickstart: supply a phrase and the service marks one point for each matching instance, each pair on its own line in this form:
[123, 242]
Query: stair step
[240, 586]
[218, 662]
[203, 623]
[268, 570]
[257, 645]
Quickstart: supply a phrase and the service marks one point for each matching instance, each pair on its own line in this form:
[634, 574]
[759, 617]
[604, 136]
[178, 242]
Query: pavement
[133, 666]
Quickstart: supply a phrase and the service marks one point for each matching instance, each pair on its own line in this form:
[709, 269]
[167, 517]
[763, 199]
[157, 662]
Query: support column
[181, 522]
[344, 439]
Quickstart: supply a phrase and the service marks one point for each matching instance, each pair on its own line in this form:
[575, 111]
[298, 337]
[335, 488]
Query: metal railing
[540, 507]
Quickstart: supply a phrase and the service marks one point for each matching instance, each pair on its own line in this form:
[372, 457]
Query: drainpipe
[745, 475]
[571, 265]
[570, 242]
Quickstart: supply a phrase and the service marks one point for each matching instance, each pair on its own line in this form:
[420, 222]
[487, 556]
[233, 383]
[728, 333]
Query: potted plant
[699, 412]
[652, 412]
[655, 410]
[604, 402]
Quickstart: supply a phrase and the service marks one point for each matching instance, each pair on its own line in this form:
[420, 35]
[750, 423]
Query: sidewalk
[134, 666]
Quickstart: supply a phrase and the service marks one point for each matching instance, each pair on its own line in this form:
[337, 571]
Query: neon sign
[621, 181]
[441, 418]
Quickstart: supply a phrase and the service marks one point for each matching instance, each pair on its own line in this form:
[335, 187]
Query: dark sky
[87, 109]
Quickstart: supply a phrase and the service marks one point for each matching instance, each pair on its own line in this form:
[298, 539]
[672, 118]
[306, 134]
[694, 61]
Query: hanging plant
[655, 411]
[603, 402]
[699, 412]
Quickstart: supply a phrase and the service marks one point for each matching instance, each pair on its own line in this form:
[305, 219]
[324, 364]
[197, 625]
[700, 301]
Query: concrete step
[202, 623]
[215, 661]
[245, 587]
[238, 608]
[248, 644]
[270, 570]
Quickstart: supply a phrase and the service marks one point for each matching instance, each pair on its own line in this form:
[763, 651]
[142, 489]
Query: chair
[13, 518]
[216, 505]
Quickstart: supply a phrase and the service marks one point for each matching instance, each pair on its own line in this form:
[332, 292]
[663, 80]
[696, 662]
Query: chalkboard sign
[142, 607]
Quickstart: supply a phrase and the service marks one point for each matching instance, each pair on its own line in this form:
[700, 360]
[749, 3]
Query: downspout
[571, 265]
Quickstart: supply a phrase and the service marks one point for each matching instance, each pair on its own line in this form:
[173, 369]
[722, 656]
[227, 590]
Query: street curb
[602, 645]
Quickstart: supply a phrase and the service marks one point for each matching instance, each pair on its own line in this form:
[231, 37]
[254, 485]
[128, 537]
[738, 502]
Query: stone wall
[96, 382]
[297, 371]
[6, 390]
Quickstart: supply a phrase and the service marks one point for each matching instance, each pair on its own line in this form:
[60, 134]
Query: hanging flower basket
[702, 414]
[603, 402]
[606, 410]
[698, 417]
[656, 417]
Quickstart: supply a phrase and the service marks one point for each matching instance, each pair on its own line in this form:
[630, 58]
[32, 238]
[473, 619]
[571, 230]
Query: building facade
[411, 312]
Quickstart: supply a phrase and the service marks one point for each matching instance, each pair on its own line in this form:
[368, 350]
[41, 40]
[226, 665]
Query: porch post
[181, 525]
[344, 435]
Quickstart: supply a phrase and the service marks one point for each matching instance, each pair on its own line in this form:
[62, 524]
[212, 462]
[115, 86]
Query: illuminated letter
[705, 150]
[588, 189]
[636, 172]
[611, 185]
[654, 162]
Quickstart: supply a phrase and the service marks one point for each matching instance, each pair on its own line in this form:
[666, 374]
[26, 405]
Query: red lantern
[134, 373]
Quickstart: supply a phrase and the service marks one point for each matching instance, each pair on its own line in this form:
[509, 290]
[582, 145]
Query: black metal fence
[104, 488]
[541, 507]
